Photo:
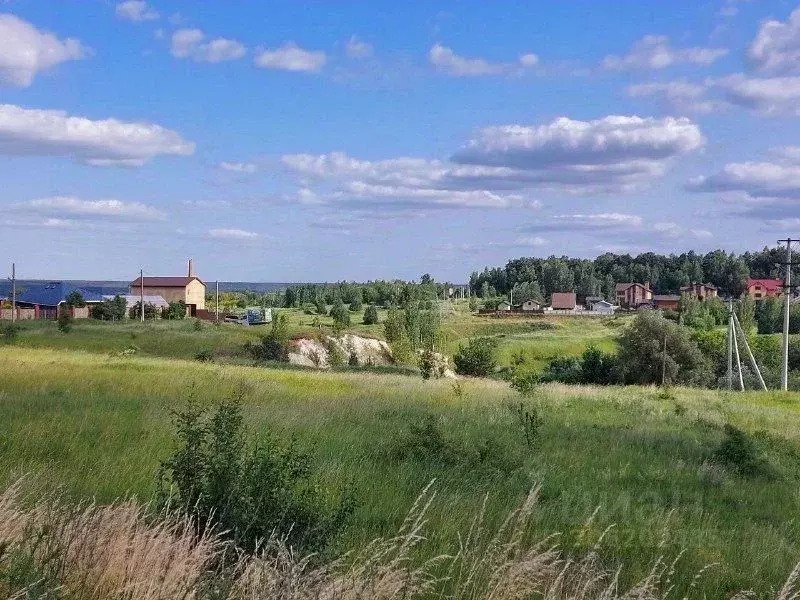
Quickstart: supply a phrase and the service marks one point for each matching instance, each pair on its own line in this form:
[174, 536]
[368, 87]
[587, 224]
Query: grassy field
[538, 339]
[98, 424]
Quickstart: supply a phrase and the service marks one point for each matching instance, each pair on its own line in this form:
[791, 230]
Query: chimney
[191, 269]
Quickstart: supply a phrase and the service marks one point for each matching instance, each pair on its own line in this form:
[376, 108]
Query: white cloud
[136, 11]
[776, 47]
[58, 208]
[357, 48]
[25, 51]
[238, 167]
[530, 241]
[232, 234]
[447, 61]
[528, 60]
[108, 142]
[290, 57]
[189, 43]
[679, 95]
[769, 96]
[655, 52]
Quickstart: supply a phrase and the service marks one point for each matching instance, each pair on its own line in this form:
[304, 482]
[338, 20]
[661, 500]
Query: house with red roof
[764, 288]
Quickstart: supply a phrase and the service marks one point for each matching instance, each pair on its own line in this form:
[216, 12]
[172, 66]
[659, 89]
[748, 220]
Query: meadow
[633, 470]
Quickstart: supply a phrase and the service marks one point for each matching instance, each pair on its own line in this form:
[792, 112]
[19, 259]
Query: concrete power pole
[730, 346]
[141, 295]
[13, 292]
[787, 292]
[216, 317]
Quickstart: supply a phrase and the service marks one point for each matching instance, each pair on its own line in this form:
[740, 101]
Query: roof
[595, 299]
[54, 293]
[563, 300]
[666, 297]
[603, 302]
[164, 281]
[532, 300]
[132, 300]
[770, 284]
[621, 287]
[692, 286]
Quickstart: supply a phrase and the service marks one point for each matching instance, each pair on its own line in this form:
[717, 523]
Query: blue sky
[285, 141]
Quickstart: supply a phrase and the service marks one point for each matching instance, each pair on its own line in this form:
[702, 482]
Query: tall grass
[50, 549]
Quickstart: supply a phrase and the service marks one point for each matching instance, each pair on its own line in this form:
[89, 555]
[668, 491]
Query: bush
[320, 306]
[371, 315]
[204, 356]
[247, 490]
[428, 365]
[274, 345]
[738, 451]
[10, 332]
[175, 310]
[113, 309]
[598, 367]
[356, 305]
[476, 358]
[65, 321]
[198, 325]
[75, 299]
[524, 382]
[642, 352]
[336, 357]
[566, 369]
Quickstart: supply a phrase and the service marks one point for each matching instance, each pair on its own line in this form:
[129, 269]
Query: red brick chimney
[191, 269]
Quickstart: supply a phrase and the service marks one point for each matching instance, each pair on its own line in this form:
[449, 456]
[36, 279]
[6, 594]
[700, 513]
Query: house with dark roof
[563, 301]
[666, 301]
[49, 299]
[631, 295]
[190, 289]
[701, 291]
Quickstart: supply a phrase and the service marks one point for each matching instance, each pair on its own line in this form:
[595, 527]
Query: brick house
[764, 288]
[189, 289]
[633, 294]
[701, 291]
[666, 301]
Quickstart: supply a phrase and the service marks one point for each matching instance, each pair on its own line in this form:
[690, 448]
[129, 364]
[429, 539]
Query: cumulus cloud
[57, 208]
[587, 222]
[232, 234]
[136, 11]
[107, 142]
[769, 96]
[190, 43]
[291, 57]
[682, 96]
[503, 164]
[655, 52]
[776, 47]
[25, 51]
[357, 48]
[238, 167]
[445, 60]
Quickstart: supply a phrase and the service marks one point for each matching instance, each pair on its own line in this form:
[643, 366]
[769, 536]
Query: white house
[530, 305]
[603, 307]
[504, 305]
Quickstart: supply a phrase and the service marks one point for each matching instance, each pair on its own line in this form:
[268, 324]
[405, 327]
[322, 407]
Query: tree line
[538, 278]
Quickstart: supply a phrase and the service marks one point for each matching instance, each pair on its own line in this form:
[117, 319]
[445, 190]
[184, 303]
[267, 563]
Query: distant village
[49, 300]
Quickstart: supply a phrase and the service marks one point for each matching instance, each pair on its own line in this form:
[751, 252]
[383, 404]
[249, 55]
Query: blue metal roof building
[53, 293]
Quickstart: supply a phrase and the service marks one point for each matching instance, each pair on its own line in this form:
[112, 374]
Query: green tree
[746, 311]
[75, 299]
[356, 304]
[175, 310]
[371, 315]
[340, 316]
[112, 309]
[274, 345]
[642, 357]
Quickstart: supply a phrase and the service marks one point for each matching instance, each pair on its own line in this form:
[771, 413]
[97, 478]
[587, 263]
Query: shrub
[175, 310]
[10, 332]
[473, 303]
[320, 306]
[247, 489]
[428, 364]
[204, 356]
[198, 325]
[65, 321]
[356, 305]
[150, 311]
[738, 451]
[75, 299]
[336, 357]
[598, 367]
[530, 423]
[113, 309]
[524, 382]
[371, 315]
[274, 345]
[353, 361]
[566, 369]
[476, 358]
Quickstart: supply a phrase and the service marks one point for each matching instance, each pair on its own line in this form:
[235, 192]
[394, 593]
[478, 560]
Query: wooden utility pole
[141, 295]
[216, 318]
[787, 292]
[664, 363]
[730, 346]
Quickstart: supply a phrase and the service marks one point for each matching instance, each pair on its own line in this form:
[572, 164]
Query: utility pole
[13, 292]
[664, 363]
[738, 360]
[752, 358]
[217, 309]
[787, 291]
[141, 294]
[730, 346]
